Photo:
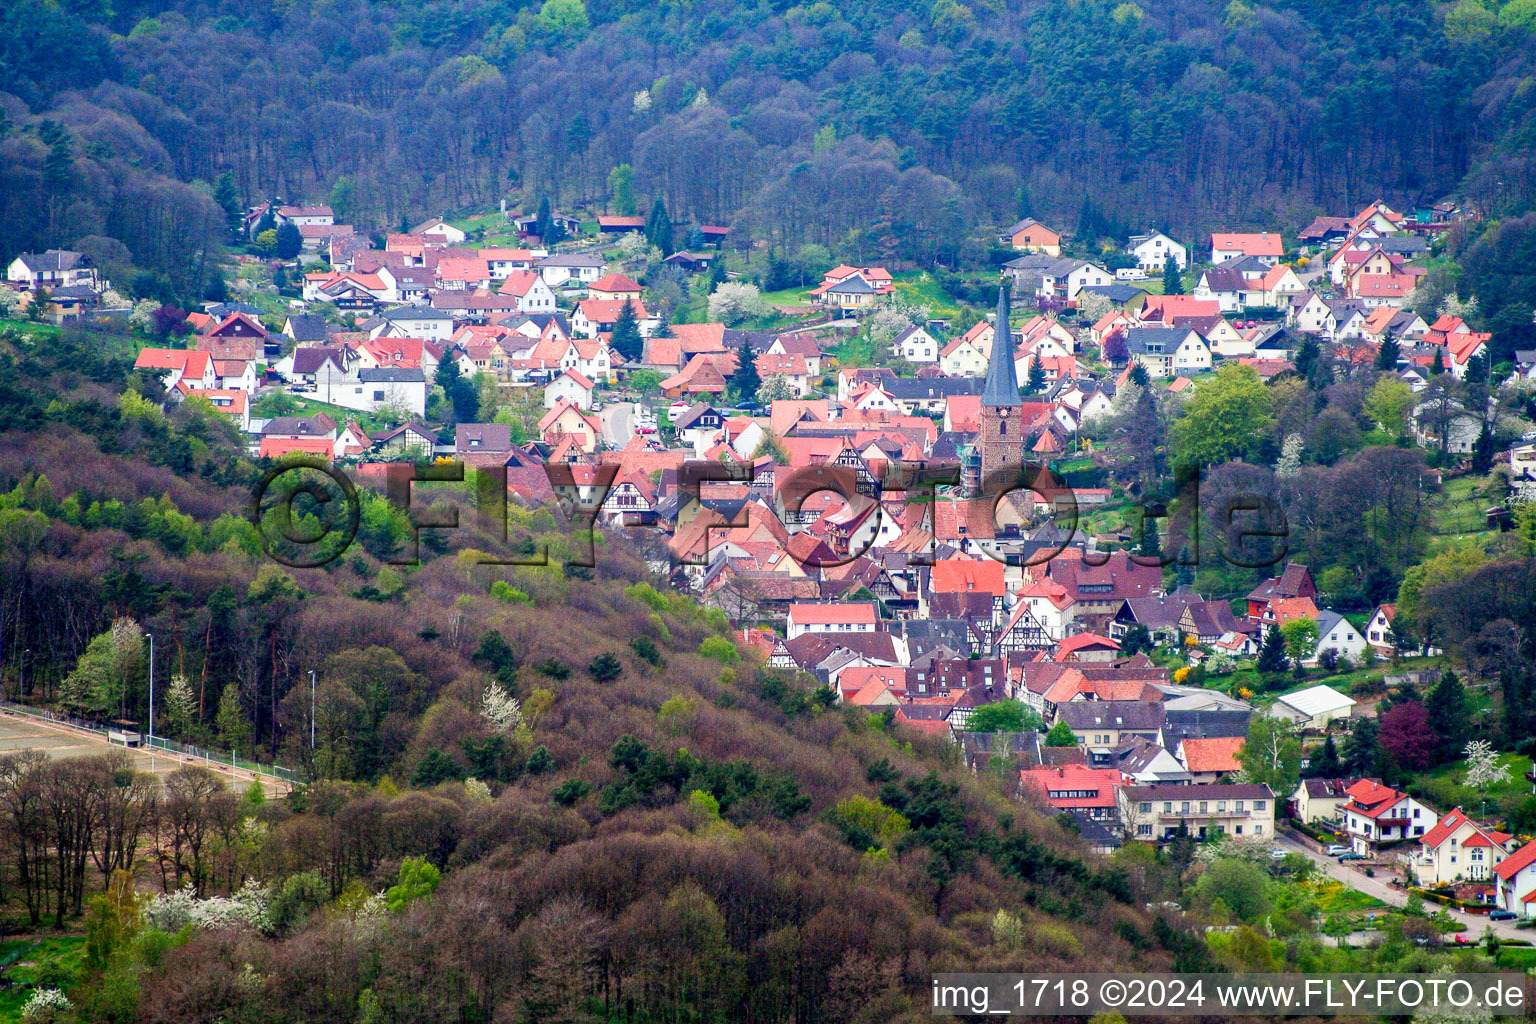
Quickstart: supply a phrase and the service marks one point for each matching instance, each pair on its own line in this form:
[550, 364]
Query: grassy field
[921, 289]
[308, 407]
[42, 963]
[29, 330]
[1334, 897]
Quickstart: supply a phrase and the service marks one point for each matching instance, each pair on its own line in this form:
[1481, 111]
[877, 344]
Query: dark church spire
[1002, 388]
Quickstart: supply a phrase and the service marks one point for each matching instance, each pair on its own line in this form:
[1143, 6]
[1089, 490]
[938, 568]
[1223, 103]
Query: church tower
[1001, 441]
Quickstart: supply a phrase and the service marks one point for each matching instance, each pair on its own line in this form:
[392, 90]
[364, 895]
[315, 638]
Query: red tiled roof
[1215, 754]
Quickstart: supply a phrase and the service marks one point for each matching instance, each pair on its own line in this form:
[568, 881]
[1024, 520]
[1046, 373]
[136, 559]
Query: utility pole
[151, 690]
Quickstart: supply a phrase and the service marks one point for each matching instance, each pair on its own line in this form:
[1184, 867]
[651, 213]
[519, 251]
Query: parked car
[645, 430]
[1502, 915]
[1351, 856]
[1337, 849]
[1277, 853]
[1462, 940]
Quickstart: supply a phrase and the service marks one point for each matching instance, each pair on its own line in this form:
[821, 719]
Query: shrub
[570, 791]
[720, 649]
[605, 668]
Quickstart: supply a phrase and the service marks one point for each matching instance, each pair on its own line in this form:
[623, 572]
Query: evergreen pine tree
[289, 241]
[1387, 355]
[1151, 543]
[1306, 358]
[658, 228]
[1360, 750]
[745, 381]
[548, 230]
[1272, 657]
[1035, 384]
[1173, 281]
[1483, 450]
[1447, 708]
[1438, 366]
[229, 201]
[1139, 376]
[626, 339]
[1325, 764]
[1183, 571]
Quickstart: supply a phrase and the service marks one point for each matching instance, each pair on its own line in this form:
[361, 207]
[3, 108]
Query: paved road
[618, 420]
[1476, 923]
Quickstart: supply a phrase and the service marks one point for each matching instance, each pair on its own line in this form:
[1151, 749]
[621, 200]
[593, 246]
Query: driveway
[1476, 923]
[618, 422]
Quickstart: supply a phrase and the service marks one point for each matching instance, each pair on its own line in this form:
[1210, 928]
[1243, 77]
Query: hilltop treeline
[879, 127]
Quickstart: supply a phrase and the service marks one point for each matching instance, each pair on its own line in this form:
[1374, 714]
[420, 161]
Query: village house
[1318, 800]
[843, 617]
[1377, 814]
[1457, 849]
[567, 423]
[916, 345]
[1166, 352]
[1516, 878]
[1212, 759]
[1029, 235]
[53, 269]
[1152, 252]
[1101, 725]
[1093, 792]
[394, 388]
[1159, 813]
[1265, 246]
[533, 295]
[571, 387]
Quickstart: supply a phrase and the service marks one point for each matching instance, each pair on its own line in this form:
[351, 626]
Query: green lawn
[788, 297]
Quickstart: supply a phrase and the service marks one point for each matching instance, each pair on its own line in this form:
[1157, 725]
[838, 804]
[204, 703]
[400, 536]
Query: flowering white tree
[180, 702]
[1290, 456]
[886, 323]
[1483, 767]
[9, 298]
[1454, 305]
[1093, 306]
[46, 1004]
[477, 790]
[500, 709]
[172, 911]
[642, 101]
[735, 301]
[143, 311]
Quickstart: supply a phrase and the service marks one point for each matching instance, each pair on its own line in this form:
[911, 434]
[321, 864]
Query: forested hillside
[911, 128]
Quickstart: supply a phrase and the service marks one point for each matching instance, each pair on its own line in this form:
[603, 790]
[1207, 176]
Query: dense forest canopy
[872, 125]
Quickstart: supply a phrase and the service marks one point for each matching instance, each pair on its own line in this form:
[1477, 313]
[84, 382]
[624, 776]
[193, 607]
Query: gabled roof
[1266, 243]
[1217, 754]
[1512, 865]
[1317, 700]
[1452, 822]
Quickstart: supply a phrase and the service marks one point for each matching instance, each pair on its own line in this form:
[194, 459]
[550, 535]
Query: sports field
[19, 732]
